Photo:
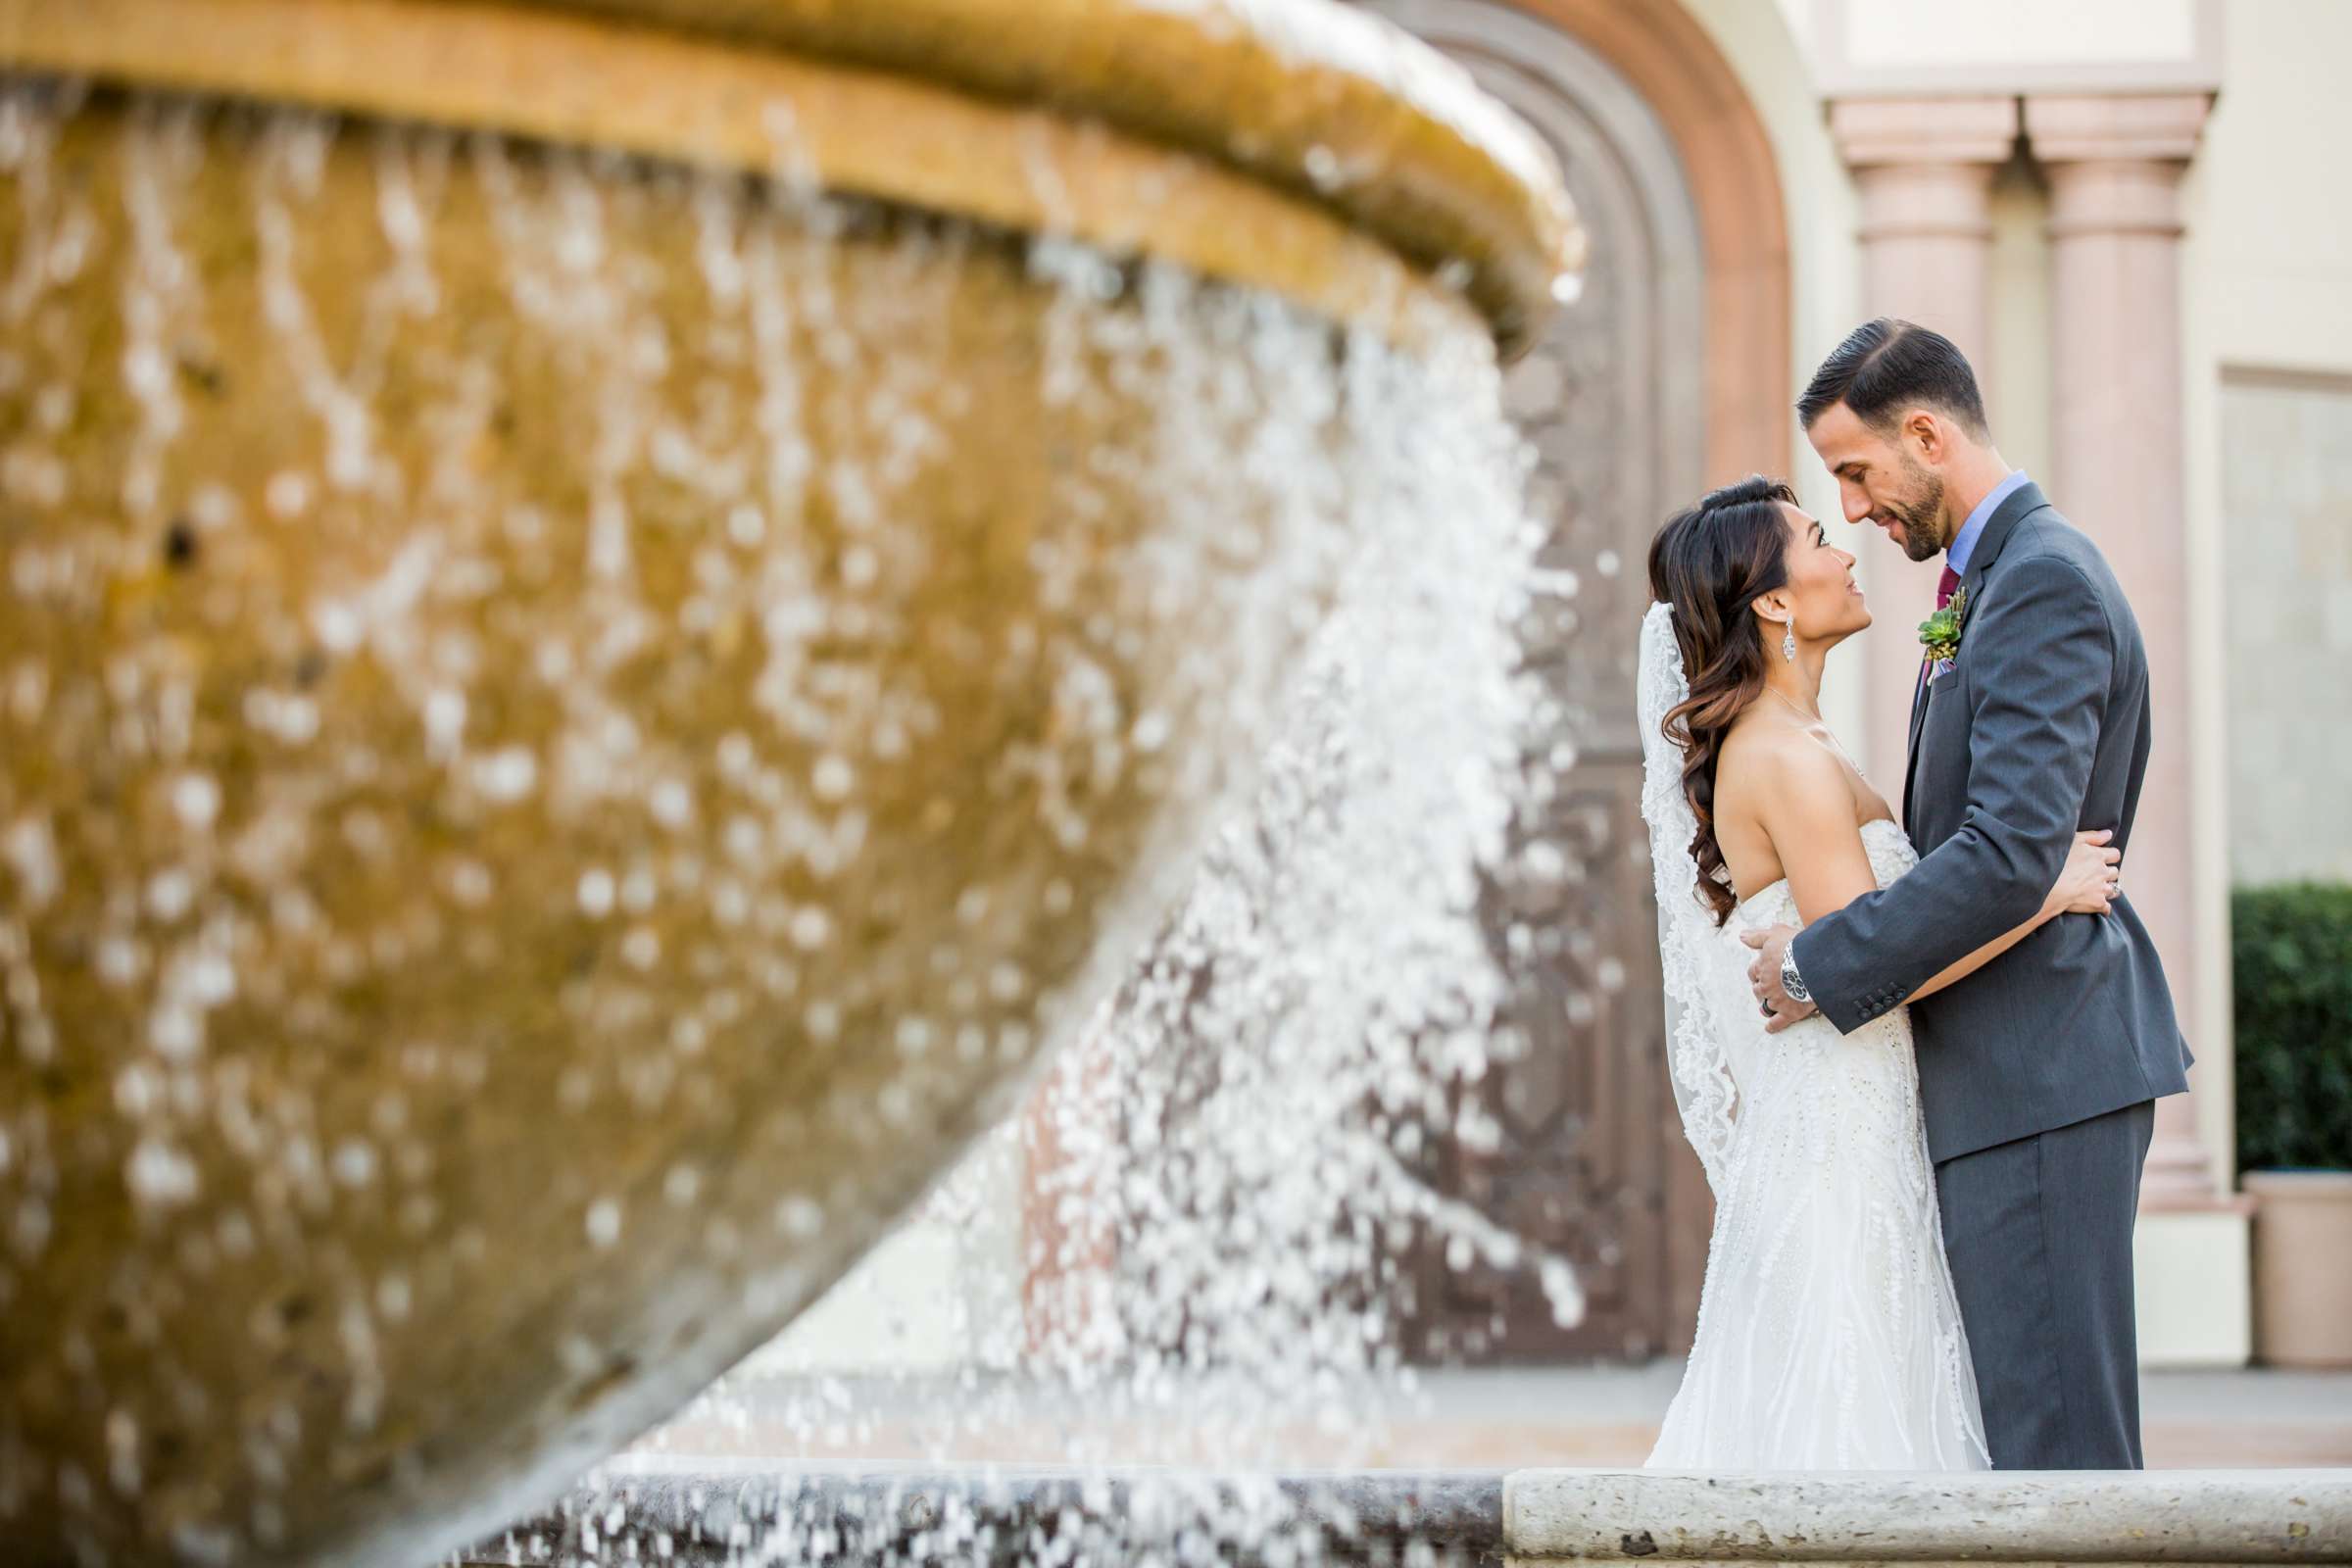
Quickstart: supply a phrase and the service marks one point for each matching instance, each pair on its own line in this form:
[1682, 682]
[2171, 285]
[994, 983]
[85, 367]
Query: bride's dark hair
[1712, 563]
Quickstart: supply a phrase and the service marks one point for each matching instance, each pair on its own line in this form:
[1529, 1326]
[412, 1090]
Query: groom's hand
[1764, 978]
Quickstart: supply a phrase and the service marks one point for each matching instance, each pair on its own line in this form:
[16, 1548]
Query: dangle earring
[1789, 639]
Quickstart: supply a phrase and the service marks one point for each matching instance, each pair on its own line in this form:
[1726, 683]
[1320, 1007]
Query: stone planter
[609, 615]
[2302, 1267]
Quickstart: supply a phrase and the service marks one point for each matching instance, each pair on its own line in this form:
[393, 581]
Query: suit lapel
[2019, 504]
[1919, 719]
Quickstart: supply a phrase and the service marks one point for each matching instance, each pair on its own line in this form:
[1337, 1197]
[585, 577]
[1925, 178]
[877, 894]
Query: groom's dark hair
[1888, 365]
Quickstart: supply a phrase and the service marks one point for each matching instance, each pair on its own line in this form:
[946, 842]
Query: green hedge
[2291, 950]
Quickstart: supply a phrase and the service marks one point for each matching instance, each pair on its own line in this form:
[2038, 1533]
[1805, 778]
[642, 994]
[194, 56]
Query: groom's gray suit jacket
[2040, 728]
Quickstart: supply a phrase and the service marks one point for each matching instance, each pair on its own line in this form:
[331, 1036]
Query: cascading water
[1238, 1131]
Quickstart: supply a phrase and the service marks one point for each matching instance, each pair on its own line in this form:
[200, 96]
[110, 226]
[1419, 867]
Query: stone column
[1924, 168]
[2115, 166]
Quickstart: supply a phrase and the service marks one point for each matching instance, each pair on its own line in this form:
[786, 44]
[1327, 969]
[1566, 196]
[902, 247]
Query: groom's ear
[1924, 432]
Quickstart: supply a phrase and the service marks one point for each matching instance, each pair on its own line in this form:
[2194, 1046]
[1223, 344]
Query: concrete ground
[1609, 1416]
[1489, 1418]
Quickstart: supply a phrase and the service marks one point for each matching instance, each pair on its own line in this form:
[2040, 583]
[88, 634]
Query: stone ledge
[2011, 1518]
[701, 1513]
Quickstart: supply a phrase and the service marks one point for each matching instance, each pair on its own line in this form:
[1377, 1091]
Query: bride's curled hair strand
[1712, 563]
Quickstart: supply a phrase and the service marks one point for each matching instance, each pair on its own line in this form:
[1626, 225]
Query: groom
[2038, 1074]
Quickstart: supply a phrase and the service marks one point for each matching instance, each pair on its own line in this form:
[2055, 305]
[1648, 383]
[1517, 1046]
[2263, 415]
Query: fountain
[615, 613]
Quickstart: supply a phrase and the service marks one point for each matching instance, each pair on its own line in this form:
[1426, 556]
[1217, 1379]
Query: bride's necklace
[1790, 703]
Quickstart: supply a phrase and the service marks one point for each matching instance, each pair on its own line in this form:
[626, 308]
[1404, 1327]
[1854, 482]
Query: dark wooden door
[1573, 1143]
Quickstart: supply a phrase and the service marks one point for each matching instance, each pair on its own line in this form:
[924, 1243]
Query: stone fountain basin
[600, 648]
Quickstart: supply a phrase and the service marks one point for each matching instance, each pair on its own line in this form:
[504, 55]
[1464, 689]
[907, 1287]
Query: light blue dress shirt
[1964, 543]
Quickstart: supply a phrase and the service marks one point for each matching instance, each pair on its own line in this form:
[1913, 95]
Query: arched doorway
[1667, 374]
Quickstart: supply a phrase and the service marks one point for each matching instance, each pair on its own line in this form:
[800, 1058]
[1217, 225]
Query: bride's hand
[2087, 883]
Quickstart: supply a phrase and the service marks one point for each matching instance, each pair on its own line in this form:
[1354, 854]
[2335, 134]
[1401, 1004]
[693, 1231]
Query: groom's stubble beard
[1921, 517]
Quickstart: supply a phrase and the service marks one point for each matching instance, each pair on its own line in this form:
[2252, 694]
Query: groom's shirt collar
[1964, 544]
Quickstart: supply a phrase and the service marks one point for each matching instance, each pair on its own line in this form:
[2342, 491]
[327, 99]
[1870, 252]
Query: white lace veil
[1695, 1059]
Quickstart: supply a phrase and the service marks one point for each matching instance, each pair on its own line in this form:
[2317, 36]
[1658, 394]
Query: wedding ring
[1767, 1007]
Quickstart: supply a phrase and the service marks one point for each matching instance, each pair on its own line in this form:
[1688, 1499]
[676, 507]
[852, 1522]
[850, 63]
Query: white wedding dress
[1829, 1335]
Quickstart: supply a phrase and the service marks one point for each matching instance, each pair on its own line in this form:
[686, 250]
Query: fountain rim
[1447, 172]
[1161, 119]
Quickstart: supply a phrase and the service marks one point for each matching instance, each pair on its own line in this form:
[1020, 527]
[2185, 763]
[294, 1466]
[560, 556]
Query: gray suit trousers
[2038, 1231]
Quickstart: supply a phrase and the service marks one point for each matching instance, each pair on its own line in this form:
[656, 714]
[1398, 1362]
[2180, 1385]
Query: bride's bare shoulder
[1765, 765]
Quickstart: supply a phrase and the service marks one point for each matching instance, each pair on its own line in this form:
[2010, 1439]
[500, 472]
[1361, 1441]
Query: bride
[1829, 1336]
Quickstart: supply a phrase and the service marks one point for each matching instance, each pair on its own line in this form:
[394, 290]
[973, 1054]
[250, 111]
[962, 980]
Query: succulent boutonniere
[1940, 633]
